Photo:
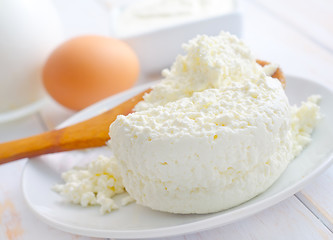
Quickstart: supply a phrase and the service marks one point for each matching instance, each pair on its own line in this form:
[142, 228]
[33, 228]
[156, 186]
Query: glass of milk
[29, 31]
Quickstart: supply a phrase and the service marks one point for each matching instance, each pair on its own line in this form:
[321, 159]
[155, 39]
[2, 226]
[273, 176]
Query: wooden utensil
[90, 133]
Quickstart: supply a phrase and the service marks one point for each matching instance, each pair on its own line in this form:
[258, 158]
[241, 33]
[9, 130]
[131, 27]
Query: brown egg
[87, 69]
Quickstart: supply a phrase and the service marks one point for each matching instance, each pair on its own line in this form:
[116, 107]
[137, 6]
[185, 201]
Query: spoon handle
[90, 133]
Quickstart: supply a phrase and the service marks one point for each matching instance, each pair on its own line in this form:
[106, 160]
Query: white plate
[134, 221]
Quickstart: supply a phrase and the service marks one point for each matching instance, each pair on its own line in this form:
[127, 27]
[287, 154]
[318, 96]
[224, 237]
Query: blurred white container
[158, 44]
[29, 31]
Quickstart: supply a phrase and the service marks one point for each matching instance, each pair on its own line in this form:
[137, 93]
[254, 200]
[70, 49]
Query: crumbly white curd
[216, 132]
[94, 184]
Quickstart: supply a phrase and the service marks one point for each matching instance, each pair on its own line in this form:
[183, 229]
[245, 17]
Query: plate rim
[22, 111]
[187, 228]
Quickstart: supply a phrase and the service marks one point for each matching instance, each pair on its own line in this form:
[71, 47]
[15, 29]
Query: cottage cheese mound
[208, 152]
[94, 184]
[215, 133]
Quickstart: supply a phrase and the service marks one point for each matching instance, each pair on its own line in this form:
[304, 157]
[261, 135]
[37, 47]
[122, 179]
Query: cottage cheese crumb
[95, 184]
[303, 121]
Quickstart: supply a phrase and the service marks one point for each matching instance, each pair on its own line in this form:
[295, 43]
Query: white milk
[29, 31]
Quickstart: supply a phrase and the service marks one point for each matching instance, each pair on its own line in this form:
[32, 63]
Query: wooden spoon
[90, 133]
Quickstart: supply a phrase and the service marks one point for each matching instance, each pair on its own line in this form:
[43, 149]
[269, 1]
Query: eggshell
[87, 69]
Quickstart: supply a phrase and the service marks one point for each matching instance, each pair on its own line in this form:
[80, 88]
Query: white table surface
[296, 34]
